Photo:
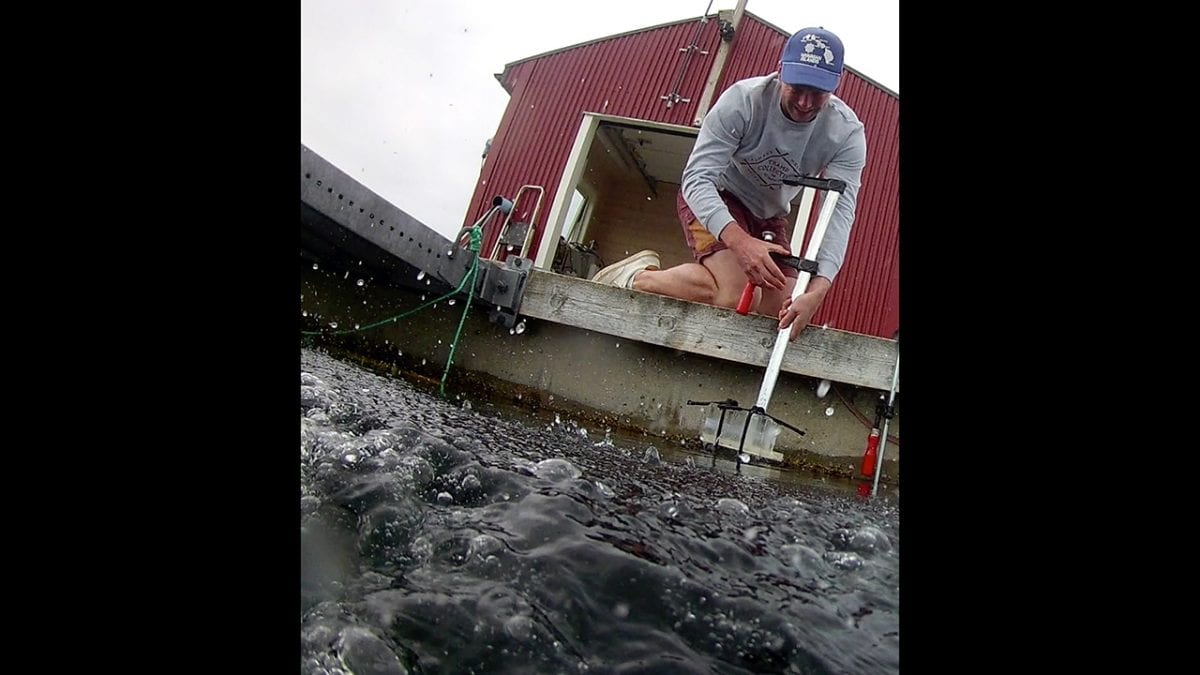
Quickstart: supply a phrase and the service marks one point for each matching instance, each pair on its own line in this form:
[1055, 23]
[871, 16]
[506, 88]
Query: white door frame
[573, 171]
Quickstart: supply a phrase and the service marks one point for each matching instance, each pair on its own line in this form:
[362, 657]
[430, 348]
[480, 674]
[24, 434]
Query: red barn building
[595, 137]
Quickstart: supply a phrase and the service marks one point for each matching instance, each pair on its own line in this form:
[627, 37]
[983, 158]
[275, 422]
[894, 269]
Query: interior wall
[628, 217]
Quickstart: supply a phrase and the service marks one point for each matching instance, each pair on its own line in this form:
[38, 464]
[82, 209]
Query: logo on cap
[812, 44]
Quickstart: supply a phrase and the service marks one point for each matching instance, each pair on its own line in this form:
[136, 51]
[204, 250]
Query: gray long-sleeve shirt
[747, 146]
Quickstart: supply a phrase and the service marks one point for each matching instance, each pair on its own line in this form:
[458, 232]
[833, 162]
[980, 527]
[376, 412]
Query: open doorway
[618, 196]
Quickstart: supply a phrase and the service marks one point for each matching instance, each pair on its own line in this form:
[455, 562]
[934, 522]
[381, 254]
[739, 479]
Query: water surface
[442, 536]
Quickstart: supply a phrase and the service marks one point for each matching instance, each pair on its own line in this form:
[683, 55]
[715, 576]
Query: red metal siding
[627, 76]
[623, 76]
[866, 296]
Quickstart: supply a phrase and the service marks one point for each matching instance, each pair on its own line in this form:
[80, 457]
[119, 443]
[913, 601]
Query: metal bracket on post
[728, 30]
[884, 409]
[795, 262]
[836, 184]
[503, 287]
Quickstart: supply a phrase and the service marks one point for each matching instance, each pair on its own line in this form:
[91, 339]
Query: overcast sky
[402, 95]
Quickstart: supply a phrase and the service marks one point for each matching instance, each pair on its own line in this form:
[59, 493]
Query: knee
[768, 306]
[724, 298]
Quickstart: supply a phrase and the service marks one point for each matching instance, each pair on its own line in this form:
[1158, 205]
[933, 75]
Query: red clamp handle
[743, 306]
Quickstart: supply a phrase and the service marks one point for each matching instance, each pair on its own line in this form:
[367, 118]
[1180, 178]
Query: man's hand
[797, 314]
[754, 256]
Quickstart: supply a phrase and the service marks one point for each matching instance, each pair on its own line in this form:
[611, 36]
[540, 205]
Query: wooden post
[718, 67]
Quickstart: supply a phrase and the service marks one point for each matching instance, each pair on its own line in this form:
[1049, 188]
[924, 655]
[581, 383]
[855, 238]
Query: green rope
[458, 333]
[475, 245]
[398, 316]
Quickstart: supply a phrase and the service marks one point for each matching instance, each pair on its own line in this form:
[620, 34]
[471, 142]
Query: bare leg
[689, 281]
[717, 281]
[770, 300]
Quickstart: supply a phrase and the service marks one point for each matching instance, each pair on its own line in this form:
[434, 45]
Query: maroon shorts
[702, 243]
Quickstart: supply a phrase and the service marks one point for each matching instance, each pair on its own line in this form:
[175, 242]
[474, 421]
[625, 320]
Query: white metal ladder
[513, 234]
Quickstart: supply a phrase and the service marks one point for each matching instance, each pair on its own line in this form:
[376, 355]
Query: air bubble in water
[556, 469]
[520, 328]
[314, 266]
[844, 560]
[333, 324]
[304, 313]
[732, 507]
[361, 282]
[829, 411]
[744, 457]
[422, 361]
[420, 275]
[355, 326]
[451, 303]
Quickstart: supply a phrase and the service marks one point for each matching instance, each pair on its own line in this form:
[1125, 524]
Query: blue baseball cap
[812, 58]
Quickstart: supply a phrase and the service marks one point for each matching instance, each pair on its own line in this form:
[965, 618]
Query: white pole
[883, 434]
[781, 339]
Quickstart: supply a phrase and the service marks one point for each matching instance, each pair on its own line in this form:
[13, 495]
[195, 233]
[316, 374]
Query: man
[761, 131]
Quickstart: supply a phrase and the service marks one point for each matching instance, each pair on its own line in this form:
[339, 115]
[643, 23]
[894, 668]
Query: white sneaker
[620, 273]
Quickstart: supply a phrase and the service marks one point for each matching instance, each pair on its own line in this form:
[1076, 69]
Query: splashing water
[456, 540]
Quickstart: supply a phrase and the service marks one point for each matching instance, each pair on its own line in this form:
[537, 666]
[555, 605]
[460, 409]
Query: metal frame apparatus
[343, 221]
[521, 233]
[338, 212]
[759, 428]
